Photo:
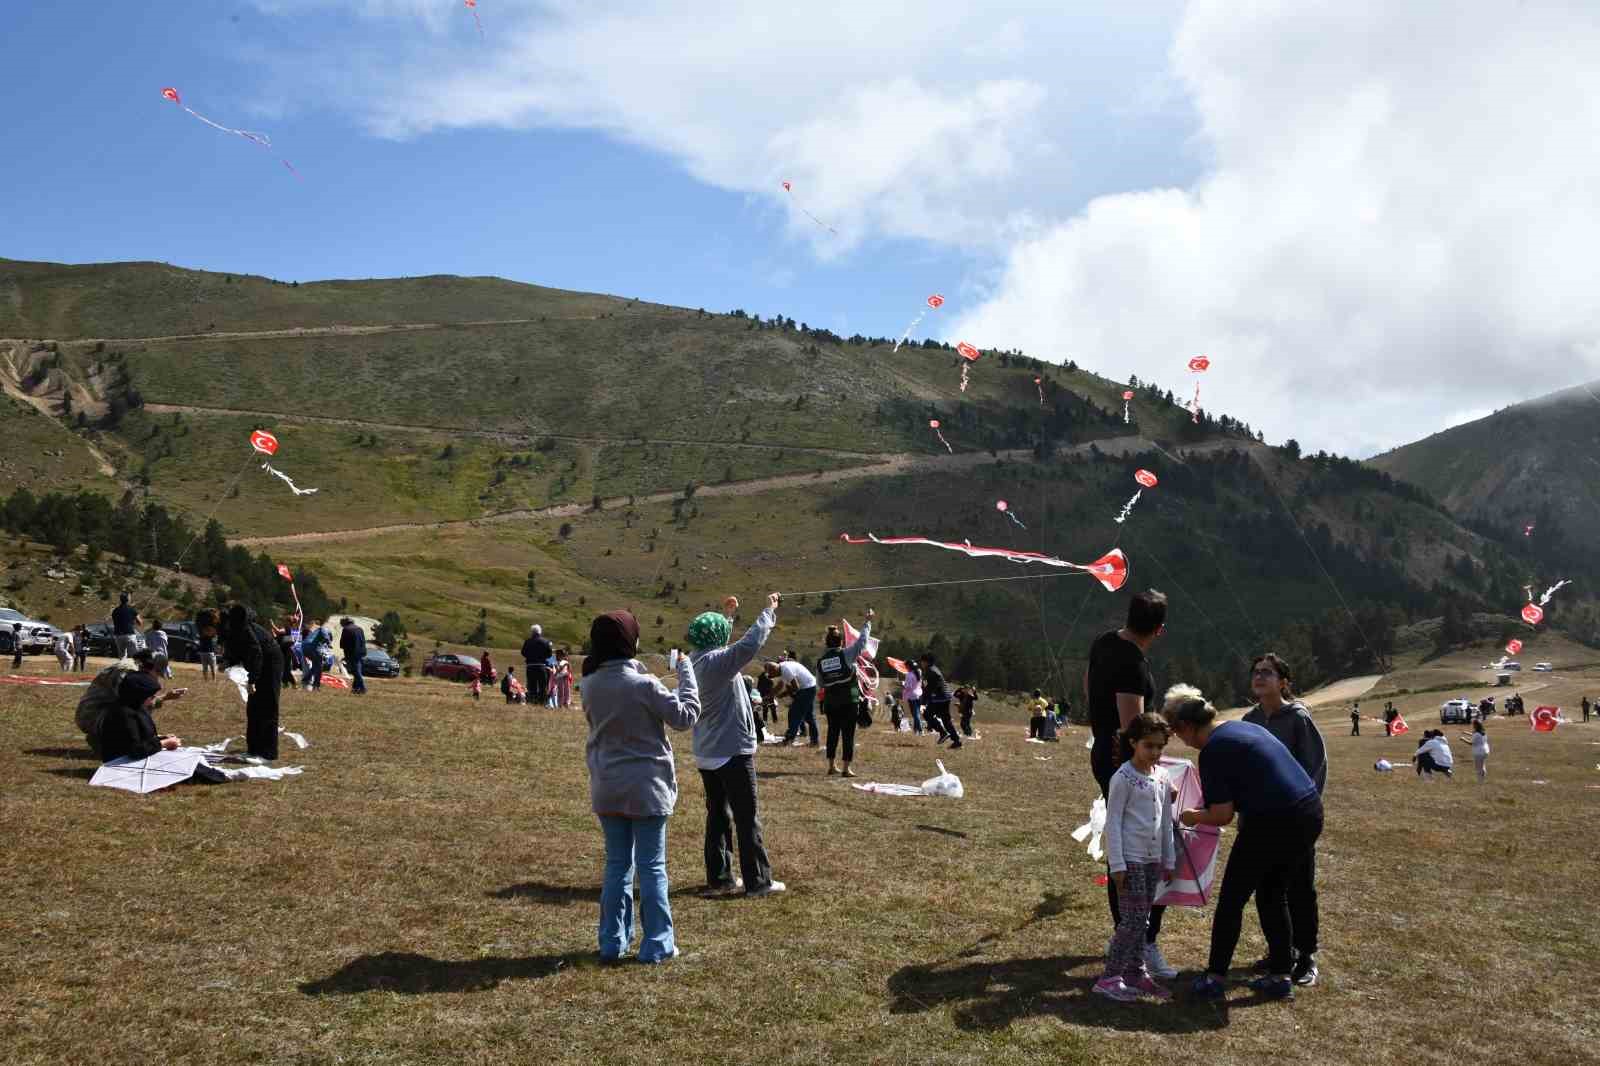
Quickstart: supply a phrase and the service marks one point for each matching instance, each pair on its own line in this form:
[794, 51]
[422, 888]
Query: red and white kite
[1038, 383]
[1145, 478]
[971, 355]
[264, 442]
[472, 5]
[933, 424]
[1127, 394]
[1197, 847]
[866, 671]
[1399, 726]
[1005, 509]
[934, 302]
[1111, 569]
[259, 139]
[1198, 365]
[1544, 719]
[788, 188]
[283, 572]
[1533, 614]
[897, 665]
[1514, 648]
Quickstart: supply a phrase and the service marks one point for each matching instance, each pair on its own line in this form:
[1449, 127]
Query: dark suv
[379, 663]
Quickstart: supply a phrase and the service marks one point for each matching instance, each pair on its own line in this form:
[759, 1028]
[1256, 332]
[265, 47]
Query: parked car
[36, 636]
[449, 667]
[1461, 710]
[102, 644]
[183, 642]
[1511, 666]
[379, 663]
[1543, 668]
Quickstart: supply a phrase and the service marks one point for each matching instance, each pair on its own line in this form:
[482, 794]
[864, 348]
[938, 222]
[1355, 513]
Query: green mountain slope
[460, 432]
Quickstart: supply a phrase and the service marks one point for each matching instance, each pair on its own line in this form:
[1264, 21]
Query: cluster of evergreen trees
[148, 533]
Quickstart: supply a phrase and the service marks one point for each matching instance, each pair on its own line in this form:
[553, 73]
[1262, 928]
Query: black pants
[1301, 888]
[286, 669]
[538, 684]
[841, 725]
[730, 809]
[1355, 729]
[966, 721]
[939, 715]
[1425, 763]
[261, 709]
[1272, 850]
[1104, 759]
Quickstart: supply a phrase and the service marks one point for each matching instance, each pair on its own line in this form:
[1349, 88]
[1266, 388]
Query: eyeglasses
[1264, 671]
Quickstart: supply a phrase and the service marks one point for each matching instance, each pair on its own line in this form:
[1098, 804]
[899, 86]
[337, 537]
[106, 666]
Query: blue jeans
[635, 843]
[916, 715]
[802, 715]
[312, 678]
[358, 683]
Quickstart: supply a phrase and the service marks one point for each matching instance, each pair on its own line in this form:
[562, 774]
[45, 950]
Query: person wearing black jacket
[245, 643]
[129, 730]
[537, 652]
[353, 642]
[936, 697]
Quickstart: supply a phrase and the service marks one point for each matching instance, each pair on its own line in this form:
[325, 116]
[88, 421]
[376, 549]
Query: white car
[37, 637]
[1543, 668]
[1456, 711]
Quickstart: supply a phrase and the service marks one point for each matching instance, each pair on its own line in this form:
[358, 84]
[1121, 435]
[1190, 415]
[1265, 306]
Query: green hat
[709, 630]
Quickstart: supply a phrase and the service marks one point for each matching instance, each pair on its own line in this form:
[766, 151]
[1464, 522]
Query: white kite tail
[1551, 591]
[287, 480]
[940, 435]
[963, 377]
[1093, 829]
[1194, 404]
[1127, 508]
[258, 138]
[907, 334]
[1124, 412]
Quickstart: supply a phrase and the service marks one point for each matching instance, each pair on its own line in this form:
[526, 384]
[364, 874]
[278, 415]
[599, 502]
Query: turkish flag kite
[1533, 614]
[283, 572]
[1399, 726]
[968, 352]
[866, 672]
[1545, 719]
[264, 442]
[1514, 648]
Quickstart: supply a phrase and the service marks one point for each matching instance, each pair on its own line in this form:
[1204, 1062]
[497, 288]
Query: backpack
[99, 700]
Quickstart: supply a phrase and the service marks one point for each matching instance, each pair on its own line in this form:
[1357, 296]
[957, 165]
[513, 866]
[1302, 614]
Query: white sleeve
[1165, 827]
[1116, 807]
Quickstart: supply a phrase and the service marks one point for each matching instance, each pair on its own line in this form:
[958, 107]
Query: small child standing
[1142, 852]
[477, 688]
[1480, 749]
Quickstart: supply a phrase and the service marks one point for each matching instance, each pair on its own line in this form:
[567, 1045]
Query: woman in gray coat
[633, 784]
[725, 750]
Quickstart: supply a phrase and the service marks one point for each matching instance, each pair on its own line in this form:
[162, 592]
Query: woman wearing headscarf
[1245, 770]
[633, 785]
[245, 643]
[841, 694]
[724, 751]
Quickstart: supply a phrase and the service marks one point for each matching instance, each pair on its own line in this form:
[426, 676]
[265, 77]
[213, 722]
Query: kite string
[1144, 552]
[933, 584]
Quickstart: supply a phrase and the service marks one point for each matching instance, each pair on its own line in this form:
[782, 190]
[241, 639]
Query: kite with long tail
[1111, 569]
[267, 445]
[934, 303]
[933, 424]
[799, 207]
[472, 5]
[261, 140]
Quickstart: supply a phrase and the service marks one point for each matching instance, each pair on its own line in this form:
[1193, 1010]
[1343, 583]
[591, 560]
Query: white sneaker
[773, 887]
[1157, 963]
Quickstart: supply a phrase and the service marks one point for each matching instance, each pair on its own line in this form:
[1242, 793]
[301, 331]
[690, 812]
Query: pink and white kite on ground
[934, 302]
[261, 140]
[1111, 569]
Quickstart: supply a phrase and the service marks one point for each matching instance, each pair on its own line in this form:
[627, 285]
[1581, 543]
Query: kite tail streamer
[1128, 508]
[907, 334]
[286, 480]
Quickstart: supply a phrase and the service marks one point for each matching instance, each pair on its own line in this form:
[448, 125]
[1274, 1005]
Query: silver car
[37, 637]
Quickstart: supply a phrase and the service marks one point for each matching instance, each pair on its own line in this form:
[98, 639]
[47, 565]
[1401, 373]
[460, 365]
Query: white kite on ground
[166, 768]
[946, 784]
[1093, 829]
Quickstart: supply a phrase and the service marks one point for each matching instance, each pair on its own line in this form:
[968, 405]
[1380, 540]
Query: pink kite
[472, 5]
[1514, 647]
[934, 302]
[1111, 569]
[1145, 478]
[933, 424]
[788, 188]
[866, 672]
[1197, 847]
[259, 139]
[283, 572]
[1005, 509]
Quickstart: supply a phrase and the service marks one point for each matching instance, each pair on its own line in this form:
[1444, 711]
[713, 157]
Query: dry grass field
[427, 892]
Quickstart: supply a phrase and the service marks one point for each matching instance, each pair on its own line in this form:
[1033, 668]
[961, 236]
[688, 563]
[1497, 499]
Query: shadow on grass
[539, 892]
[767, 775]
[991, 995]
[83, 754]
[942, 831]
[78, 773]
[417, 975]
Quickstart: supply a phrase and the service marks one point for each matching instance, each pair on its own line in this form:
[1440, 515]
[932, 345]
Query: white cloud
[1398, 225]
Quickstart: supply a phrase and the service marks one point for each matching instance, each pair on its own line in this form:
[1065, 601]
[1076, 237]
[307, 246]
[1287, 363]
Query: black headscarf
[612, 636]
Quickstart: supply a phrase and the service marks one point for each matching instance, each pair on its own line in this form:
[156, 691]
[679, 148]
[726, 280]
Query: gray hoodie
[727, 727]
[631, 772]
[1295, 730]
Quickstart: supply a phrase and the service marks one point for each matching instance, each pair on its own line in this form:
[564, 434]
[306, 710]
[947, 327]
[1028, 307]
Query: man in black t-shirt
[1118, 687]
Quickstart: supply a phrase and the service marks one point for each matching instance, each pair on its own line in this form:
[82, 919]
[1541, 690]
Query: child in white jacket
[1142, 852]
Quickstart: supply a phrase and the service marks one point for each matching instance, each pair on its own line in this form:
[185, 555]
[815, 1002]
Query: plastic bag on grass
[946, 784]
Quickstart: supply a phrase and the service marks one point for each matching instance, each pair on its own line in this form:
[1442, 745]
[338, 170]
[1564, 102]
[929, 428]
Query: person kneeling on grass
[1245, 770]
[510, 687]
[128, 729]
[1433, 756]
[725, 751]
[633, 783]
[1142, 852]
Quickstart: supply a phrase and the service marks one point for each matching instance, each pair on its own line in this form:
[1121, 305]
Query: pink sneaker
[1149, 986]
[1115, 988]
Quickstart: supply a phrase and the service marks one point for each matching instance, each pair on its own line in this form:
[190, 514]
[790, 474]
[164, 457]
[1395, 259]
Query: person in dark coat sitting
[129, 730]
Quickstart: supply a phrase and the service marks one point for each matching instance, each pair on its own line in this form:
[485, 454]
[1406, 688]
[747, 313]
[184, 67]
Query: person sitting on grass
[633, 781]
[510, 687]
[129, 730]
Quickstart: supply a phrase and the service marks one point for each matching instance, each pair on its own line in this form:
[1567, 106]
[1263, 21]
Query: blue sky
[115, 172]
[1376, 220]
